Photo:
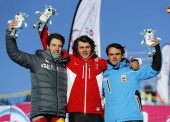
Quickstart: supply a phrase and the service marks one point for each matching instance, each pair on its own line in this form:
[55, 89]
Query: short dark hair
[56, 36]
[117, 46]
[83, 38]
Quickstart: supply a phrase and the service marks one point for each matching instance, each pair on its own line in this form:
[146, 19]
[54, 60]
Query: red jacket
[84, 92]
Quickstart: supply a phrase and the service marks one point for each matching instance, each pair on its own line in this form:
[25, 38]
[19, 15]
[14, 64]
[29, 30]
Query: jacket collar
[46, 54]
[124, 63]
[92, 56]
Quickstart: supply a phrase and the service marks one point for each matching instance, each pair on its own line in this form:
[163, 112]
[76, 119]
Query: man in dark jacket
[48, 77]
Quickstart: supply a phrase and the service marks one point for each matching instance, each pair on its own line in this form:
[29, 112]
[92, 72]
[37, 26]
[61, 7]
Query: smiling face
[84, 49]
[114, 55]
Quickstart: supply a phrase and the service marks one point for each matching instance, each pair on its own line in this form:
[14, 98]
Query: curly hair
[84, 39]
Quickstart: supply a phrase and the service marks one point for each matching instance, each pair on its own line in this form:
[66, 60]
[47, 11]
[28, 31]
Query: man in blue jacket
[120, 85]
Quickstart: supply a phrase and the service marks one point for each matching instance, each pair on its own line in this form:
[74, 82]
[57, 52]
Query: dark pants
[80, 117]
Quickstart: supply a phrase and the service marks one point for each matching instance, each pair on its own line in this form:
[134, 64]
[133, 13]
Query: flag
[86, 22]
[168, 9]
[163, 79]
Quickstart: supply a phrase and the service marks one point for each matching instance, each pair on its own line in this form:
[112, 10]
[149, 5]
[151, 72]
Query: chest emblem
[76, 64]
[123, 78]
[97, 66]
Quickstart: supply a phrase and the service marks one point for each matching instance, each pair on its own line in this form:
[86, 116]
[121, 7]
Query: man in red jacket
[84, 92]
[85, 83]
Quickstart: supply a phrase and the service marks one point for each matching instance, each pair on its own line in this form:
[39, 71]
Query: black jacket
[48, 79]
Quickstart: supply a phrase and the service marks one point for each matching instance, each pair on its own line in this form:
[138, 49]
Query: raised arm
[152, 70]
[157, 60]
[19, 57]
[43, 37]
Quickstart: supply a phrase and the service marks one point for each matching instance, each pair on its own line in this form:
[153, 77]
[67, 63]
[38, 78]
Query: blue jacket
[121, 91]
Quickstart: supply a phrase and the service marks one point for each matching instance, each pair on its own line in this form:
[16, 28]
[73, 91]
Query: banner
[15, 113]
[163, 79]
[156, 113]
[86, 22]
[21, 113]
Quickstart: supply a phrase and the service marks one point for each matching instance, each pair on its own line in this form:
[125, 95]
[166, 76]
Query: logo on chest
[97, 66]
[123, 78]
[76, 64]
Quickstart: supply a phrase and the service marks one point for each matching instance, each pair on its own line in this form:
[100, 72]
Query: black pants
[80, 117]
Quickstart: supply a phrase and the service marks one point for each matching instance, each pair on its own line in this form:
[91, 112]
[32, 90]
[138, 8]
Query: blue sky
[120, 21]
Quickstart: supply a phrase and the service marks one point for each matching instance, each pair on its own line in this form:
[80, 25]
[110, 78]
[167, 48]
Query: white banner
[163, 80]
[87, 22]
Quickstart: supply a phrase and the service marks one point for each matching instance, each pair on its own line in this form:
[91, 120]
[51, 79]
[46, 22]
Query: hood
[123, 63]
[46, 54]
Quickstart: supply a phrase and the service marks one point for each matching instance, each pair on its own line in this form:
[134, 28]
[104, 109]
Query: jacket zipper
[56, 67]
[85, 89]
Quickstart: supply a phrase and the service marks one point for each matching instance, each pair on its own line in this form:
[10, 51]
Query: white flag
[87, 22]
[163, 79]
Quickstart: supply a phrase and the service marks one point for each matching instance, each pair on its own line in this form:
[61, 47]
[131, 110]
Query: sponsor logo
[48, 66]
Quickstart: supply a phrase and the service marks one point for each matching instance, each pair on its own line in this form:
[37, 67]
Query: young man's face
[55, 46]
[114, 55]
[84, 49]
